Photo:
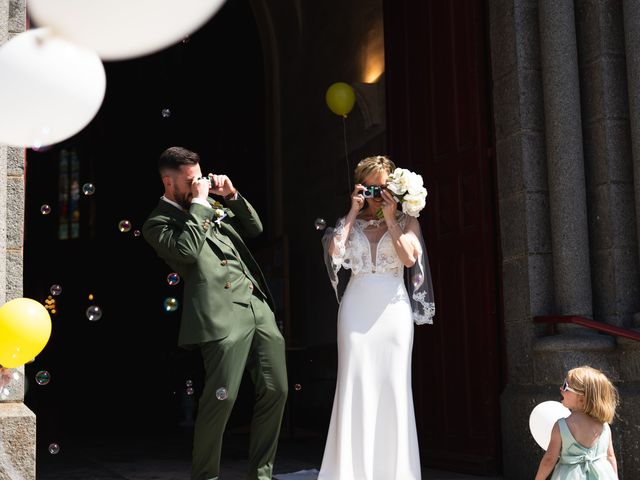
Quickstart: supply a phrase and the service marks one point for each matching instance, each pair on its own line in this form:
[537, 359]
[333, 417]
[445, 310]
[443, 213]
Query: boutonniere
[218, 212]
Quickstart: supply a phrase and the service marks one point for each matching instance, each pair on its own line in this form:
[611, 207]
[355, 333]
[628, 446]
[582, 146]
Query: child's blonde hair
[600, 396]
[371, 165]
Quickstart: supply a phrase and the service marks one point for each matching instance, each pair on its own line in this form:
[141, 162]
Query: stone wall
[17, 422]
[567, 196]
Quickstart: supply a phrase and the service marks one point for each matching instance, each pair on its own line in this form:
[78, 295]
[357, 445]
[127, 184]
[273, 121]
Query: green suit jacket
[188, 243]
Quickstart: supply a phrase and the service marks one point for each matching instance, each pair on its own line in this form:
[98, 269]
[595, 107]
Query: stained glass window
[68, 194]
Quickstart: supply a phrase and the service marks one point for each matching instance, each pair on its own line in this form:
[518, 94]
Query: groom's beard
[183, 199]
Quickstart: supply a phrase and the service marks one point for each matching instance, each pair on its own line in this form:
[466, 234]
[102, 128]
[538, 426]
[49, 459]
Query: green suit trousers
[254, 343]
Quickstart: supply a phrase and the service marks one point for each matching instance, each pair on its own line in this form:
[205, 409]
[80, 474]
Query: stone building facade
[565, 86]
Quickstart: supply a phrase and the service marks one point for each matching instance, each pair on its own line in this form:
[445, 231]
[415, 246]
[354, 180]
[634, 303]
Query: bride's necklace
[371, 220]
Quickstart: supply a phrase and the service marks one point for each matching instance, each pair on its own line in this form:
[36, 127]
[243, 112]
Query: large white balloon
[542, 419]
[121, 29]
[49, 89]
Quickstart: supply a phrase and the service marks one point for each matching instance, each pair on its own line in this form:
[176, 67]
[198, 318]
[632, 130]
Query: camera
[208, 179]
[372, 191]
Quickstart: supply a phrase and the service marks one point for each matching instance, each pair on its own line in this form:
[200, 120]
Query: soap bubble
[94, 313]
[43, 377]
[88, 189]
[320, 223]
[221, 393]
[170, 304]
[124, 226]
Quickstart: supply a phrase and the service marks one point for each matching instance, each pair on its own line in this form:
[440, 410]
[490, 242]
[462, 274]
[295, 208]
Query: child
[581, 443]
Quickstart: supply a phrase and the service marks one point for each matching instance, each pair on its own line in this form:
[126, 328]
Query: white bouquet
[408, 188]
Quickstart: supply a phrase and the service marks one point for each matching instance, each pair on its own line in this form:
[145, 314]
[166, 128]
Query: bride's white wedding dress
[372, 434]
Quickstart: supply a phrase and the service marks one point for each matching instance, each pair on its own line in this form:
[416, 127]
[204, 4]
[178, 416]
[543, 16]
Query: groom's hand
[222, 185]
[200, 188]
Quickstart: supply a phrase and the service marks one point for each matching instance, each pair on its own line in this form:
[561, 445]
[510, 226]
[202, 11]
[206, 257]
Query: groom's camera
[372, 191]
[208, 179]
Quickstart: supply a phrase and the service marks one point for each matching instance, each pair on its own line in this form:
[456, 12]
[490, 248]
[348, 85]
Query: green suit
[227, 311]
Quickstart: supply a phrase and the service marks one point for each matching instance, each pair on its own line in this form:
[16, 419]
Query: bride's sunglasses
[566, 388]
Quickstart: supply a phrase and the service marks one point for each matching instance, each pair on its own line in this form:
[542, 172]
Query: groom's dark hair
[174, 157]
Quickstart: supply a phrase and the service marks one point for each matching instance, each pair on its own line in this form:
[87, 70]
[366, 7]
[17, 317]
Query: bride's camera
[372, 191]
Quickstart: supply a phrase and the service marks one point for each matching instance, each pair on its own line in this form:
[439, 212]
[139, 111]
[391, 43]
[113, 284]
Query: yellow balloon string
[346, 152]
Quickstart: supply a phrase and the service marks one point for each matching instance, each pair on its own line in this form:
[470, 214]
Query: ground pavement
[166, 457]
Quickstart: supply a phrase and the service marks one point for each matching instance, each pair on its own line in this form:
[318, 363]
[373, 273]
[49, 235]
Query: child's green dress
[578, 462]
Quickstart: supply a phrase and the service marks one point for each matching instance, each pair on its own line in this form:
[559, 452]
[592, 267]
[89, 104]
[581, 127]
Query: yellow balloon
[340, 98]
[25, 328]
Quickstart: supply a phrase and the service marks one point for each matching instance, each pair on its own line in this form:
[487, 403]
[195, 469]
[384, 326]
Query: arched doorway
[123, 373]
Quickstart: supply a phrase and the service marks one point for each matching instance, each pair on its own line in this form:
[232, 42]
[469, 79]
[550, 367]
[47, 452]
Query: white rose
[414, 183]
[398, 181]
[413, 203]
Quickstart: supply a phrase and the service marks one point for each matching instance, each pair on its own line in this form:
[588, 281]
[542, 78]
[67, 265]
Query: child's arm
[611, 456]
[550, 458]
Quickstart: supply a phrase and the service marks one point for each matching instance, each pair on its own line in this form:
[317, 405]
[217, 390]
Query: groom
[227, 308]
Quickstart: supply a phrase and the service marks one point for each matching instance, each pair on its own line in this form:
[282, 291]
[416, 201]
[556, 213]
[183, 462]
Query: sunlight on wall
[373, 53]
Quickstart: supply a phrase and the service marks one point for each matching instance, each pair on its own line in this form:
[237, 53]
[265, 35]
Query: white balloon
[49, 89]
[542, 419]
[121, 29]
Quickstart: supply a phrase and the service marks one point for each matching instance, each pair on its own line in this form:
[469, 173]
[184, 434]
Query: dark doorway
[123, 372]
[439, 122]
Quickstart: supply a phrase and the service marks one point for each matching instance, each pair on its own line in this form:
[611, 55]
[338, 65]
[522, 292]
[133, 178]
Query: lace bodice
[369, 249]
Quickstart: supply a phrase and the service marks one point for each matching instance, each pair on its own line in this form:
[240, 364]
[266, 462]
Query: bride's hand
[388, 207]
[357, 199]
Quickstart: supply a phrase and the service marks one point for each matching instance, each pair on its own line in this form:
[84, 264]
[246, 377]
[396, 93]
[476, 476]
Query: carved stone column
[17, 422]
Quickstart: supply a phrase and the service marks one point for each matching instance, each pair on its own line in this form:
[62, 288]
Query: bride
[372, 434]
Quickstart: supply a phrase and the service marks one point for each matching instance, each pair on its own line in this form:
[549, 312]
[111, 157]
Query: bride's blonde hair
[600, 396]
[371, 165]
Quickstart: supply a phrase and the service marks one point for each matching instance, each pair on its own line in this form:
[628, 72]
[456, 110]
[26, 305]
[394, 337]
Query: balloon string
[346, 151]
